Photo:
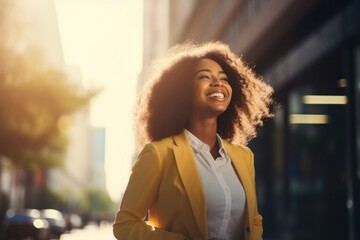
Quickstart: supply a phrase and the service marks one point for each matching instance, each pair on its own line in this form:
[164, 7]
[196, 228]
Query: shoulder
[180, 140]
[237, 148]
[157, 149]
[161, 144]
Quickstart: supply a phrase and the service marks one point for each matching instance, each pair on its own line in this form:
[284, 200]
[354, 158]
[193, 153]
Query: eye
[224, 78]
[204, 76]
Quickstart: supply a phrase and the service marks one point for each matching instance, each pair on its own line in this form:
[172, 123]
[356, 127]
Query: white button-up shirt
[225, 196]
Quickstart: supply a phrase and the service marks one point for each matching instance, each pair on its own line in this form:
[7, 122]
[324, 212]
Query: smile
[217, 95]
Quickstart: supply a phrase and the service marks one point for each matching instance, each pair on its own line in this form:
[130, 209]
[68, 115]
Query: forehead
[209, 64]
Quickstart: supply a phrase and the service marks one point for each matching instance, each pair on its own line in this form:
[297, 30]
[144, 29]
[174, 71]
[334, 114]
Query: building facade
[308, 156]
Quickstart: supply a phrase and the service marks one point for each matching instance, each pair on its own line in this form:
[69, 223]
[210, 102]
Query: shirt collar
[199, 146]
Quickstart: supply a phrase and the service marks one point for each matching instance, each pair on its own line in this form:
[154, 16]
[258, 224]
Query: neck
[205, 130]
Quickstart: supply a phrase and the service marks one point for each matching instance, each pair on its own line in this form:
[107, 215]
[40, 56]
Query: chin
[218, 112]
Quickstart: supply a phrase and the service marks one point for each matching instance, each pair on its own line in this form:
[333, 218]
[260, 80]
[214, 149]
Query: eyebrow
[208, 70]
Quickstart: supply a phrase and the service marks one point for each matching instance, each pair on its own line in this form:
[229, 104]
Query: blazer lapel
[191, 179]
[239, 161]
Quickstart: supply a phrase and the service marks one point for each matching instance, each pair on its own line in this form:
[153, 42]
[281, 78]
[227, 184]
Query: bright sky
[104, 38]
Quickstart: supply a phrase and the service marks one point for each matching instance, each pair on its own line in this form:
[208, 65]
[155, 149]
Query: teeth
[216, 95]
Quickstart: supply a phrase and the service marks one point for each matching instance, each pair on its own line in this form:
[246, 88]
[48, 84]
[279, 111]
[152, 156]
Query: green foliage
[98, 202]
[33, 101]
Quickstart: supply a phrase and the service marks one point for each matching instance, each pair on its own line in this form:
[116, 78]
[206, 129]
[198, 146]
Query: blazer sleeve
[257, 219]
[139, 196]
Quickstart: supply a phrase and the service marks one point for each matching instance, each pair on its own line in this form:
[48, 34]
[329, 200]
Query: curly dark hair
[164, 104]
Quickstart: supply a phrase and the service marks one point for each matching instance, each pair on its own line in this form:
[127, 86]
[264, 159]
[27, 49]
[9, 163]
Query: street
[90, 232]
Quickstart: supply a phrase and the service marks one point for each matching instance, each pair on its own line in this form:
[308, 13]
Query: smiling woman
[161, 113]
[211, 91]
[195, 179]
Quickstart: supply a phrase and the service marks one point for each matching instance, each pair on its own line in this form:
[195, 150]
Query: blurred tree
[35, 103]
[98, 203]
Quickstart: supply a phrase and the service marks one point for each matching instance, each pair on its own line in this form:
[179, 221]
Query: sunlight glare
[104, 38]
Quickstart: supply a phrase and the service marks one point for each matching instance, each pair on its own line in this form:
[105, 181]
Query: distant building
[97, 156]
[156, 33]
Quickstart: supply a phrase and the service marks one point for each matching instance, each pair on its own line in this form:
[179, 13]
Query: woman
[195, 179]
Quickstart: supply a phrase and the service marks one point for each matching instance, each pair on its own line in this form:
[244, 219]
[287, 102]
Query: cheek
[230, 92]
[198, 91]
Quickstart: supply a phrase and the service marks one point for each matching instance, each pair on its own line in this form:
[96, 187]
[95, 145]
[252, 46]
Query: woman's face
[212, 92]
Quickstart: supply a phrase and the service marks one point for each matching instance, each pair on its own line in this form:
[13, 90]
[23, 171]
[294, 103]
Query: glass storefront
[303, 156]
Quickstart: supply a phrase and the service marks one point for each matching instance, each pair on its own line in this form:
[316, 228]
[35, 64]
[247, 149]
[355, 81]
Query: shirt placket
[227, 208]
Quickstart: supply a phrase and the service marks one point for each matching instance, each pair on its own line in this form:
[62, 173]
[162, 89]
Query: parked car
[24, 224]
[56, 220]
[73, 221]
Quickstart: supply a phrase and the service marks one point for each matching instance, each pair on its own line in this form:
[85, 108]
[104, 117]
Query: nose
[216, 82]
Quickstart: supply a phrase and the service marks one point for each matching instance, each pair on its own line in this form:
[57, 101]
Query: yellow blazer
[165, 181]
